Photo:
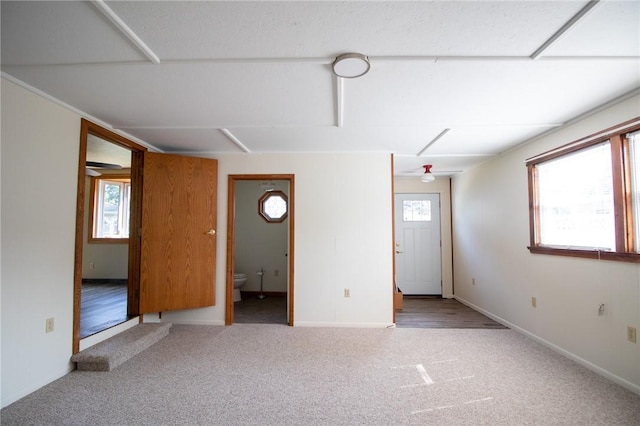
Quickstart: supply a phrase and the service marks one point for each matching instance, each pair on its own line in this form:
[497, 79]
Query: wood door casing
[179, 209]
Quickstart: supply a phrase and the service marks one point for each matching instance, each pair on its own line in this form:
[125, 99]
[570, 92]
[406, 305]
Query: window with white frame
[584, 197]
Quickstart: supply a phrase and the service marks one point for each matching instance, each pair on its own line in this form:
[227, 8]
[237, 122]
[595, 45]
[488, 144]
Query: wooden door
[179, 217]
[418, 253]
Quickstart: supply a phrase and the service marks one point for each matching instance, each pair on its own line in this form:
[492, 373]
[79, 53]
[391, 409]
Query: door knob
[398, 252]
[211, 232]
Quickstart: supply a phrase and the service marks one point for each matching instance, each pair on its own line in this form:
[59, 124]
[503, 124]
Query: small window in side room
[109, 210]
[273, 207]
[584, 197]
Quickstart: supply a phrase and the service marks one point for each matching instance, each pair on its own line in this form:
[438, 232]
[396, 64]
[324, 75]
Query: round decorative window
[273, 206]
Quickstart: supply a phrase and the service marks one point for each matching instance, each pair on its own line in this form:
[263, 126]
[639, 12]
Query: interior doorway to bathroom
[260, 224]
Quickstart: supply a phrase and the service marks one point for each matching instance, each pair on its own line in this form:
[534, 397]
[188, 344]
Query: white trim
[596, 369]
[340, 101]
[195, 322]
[87, 342]
[434, 140]
[125, 30]
[574, 120]
[235, 140]
[344, 324]
[14, 395]
[607, 132]
[75, 110]
[566, 27]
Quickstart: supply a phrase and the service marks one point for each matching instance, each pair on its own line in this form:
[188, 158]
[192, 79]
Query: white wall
[258, 243]
[342, 238]
[490, 239]
[342, 231]
[441, 186]
[40, 146]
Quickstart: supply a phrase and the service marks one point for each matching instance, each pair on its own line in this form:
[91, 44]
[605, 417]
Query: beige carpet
[259, 374]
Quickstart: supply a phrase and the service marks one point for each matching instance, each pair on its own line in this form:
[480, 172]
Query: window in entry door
[416, 211]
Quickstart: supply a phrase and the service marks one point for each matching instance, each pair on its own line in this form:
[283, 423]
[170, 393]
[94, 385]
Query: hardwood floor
[272, 310]
[435, 312]
[418, 312]
[103, 305]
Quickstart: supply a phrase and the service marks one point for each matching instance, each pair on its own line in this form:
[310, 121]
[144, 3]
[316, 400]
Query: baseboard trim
[94, 339]
[593, 367]
[17, 395]
[196, 322]
[344, 324]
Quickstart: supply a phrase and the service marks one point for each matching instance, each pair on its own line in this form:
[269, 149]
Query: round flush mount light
[351, 65]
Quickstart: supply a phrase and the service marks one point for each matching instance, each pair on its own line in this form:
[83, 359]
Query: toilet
[238, 281]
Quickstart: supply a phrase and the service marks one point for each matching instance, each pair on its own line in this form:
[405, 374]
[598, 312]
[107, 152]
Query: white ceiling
[225, 77]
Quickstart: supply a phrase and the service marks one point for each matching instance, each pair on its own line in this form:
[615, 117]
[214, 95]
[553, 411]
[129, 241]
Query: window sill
[589, 254]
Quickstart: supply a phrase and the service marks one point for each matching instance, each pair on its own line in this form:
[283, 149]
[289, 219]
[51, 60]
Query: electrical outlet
[347, 293]
[92, 265]
[631, 334]
[276, 273]
[473, 281]
[48, 326]
[534, 302]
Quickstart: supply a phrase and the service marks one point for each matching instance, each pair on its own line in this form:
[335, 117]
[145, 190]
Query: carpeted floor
[268, 374]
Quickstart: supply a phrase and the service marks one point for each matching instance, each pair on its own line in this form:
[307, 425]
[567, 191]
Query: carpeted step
[112, 352]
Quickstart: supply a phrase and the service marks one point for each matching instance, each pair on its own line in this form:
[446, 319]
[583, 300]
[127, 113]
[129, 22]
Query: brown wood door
[179, 217]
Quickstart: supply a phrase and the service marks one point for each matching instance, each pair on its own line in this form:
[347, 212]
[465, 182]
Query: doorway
[106, 236]
[417, 245]
[260, 225]
[106, 267]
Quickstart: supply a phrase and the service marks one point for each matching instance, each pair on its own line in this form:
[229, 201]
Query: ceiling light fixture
[427, 176]
[351, 65]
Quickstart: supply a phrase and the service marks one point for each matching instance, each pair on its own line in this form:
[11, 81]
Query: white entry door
[417, 246]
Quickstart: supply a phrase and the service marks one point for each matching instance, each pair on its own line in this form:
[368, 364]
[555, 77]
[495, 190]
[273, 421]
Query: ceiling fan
[92, 167]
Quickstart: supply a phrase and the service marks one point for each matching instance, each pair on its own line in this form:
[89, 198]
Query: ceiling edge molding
[576, 119]
[75, 110]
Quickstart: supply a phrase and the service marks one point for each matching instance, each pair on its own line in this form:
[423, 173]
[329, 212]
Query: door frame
[135, 221]
[396, 196]
[232, 179]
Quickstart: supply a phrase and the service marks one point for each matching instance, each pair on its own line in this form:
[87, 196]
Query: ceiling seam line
[566, 27]
[434, 140]
[340, 101]
[224, 61]
[235, 140]
[126, 30]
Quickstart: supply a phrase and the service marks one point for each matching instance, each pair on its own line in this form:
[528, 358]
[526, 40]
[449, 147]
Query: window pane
[575, 193]
[634, 148]
[275, 206]
[111, 197]
[416, 211]
[126, 206]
